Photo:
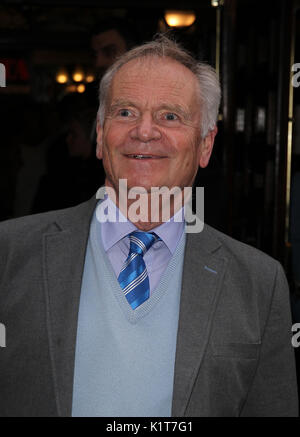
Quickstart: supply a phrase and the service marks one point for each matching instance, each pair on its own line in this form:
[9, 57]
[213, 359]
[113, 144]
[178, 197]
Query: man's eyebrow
[120, 103]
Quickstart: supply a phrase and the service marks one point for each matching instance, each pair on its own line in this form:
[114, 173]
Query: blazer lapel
[64, 255]
[201, 284]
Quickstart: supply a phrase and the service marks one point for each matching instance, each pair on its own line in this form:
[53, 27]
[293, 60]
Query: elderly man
[138, 317]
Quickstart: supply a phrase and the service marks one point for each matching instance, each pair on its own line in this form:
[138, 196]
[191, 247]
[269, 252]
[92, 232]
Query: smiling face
[151, 134]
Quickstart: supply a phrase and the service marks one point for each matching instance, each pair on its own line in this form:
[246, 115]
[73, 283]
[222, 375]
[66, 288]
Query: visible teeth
[141, 156]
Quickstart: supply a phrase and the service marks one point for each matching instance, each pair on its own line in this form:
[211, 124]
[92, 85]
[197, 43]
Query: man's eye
[169, 116]
[125, 113]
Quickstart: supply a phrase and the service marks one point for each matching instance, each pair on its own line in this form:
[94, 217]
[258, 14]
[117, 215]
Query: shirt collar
[171, 231]
[112, 232]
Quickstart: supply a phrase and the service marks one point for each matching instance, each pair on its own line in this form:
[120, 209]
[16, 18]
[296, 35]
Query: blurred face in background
[107, 46]
[78, 141]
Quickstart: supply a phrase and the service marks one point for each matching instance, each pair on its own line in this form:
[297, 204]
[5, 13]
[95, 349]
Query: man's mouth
[133, 156]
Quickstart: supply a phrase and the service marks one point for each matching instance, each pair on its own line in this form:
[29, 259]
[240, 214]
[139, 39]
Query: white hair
[163, 47]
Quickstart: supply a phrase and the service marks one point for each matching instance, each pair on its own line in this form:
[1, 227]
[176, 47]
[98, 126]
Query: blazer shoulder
[24, 232]
[30, 224]
[244, 257]
[37, 223]
[21, 239]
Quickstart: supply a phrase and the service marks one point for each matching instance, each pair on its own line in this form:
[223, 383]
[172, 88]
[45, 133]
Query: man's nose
[145, 129]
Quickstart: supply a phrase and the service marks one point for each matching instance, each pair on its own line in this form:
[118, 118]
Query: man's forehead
[156, 65]
[155, 74]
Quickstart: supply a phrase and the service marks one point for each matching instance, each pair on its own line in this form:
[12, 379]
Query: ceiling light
[217, 3]
[62, 76]
[180, 18]
[81, 88]
[78, 74]
[90, 77]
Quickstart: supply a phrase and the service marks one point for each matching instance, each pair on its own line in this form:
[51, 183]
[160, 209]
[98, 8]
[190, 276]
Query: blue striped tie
[133, 277]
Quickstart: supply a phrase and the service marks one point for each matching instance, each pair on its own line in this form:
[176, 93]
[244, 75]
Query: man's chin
[138, 186]
[141, 187]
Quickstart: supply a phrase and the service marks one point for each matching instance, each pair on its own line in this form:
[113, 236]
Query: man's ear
[207, 147]
[99, 149]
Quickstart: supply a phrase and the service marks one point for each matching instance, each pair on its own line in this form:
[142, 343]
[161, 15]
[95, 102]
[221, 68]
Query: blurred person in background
[73, 171]
[110, 39]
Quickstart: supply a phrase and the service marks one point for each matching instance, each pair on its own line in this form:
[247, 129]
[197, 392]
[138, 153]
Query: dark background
[252, 184]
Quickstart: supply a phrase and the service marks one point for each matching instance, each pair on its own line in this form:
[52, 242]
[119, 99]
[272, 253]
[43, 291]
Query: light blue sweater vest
[124, 361]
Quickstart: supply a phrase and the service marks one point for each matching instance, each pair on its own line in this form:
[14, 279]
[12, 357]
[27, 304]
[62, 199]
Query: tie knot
[140, 241]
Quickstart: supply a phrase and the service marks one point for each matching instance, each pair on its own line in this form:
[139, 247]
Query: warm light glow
[62, 76]
[217, 3]
[71, 88]
[78, 75]
[81, 88]
[89, 78]
[180, 18]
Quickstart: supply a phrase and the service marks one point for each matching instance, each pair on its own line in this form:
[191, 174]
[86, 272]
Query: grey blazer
[234, 355]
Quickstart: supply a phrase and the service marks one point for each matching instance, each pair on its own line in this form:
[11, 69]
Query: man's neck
[147, 210]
